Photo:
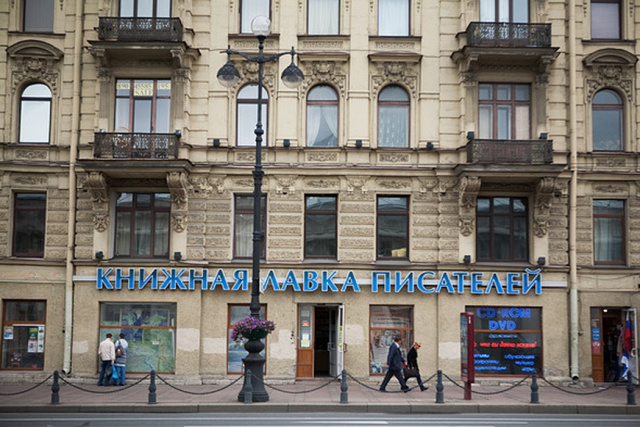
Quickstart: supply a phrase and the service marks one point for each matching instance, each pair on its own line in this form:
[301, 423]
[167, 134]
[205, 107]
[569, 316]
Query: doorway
[613, 343]
[320, 340]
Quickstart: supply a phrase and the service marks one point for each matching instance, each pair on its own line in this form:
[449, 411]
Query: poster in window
[8, 333]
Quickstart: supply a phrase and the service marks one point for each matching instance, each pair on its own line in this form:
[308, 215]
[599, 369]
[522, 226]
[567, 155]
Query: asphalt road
[315, 420]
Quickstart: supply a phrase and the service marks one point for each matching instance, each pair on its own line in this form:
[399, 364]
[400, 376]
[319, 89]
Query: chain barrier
[377, 389]
[198, 393]
[489, 393]
[16, 393]
[297, 392]
[118, 389]
[582, 393]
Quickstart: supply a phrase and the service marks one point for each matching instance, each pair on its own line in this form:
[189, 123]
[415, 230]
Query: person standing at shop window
[107, 354]
[122, 347]
[394, 365]
[412, 363]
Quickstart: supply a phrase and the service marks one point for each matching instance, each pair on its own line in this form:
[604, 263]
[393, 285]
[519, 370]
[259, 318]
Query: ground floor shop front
[179, 320]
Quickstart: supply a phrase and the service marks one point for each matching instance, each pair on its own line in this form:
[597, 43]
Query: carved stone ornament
[249, 74]
[98, 186]
[610, 68]
[36, 61]
[392, 72]
[178, 186]
[325, 72]
[285, 184]
[545, 189]
[179, 221]
[540, 227]
[101, 221]
[467, 225]
[356, 183]
[467, 195]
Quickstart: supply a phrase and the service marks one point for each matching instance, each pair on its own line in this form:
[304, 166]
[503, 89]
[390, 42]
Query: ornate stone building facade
[440, 157]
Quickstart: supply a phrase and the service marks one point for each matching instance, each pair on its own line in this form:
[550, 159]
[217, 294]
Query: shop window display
[236, 351]
[386, 322]
[23, 330]
[150, 330]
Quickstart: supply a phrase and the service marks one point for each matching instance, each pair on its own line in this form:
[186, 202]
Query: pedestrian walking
[107, 354]
[412, 365]
[122, 347]
[394, 365]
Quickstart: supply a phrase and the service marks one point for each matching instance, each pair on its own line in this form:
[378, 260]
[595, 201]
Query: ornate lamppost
[229, 76]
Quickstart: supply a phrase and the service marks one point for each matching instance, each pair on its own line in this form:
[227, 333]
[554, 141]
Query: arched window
[247, 114]
[35, 114]
[322, 117]
[393, 117]
[607, 116]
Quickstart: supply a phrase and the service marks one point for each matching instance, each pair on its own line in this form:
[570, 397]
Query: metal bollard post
[344, 396]
[534, 389]
[631, 397]
[439, 389]
[248, 387]
[55, 388]
[152, 388]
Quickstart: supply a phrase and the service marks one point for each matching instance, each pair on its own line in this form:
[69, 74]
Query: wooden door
[597, 346]
[304, 357]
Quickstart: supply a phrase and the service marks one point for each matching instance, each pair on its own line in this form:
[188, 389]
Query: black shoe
[424, 388]
[383, 389]
[406, 390]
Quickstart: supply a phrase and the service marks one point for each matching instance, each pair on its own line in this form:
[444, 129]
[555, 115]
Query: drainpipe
[73, 157]
[573, 196]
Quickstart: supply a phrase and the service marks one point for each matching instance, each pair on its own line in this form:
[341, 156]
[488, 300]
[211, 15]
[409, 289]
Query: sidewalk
[82, 395]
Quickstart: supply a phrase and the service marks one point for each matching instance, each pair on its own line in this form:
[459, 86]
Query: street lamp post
[229, 76]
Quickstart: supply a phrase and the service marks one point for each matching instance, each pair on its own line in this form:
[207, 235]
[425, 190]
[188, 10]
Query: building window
[235, 349]
[150, 330]
[145, 8]
[243, 240]
[393, 117]
[393, 17]
[35, 114]
[323, 17]
[23, 329]
[29, 223]
[320, 222]
[392, 227]
[38, 16]
[248, 114]
[508, 340]
[609, 231]
[504, 111]
[249, 9]
[142, 225]
[605, 19]
[385, 323]
[514, 11]
[502, 233]
[607, 115]
[143, 106]
[322, 117]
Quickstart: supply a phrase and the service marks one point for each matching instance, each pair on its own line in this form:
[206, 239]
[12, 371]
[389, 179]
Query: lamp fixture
[471, 135]
[99, 255]
[177, 256]
[216, 142]
[467, 259]
[542, 261]
[358, 143]
[429, 146]
[286, 143]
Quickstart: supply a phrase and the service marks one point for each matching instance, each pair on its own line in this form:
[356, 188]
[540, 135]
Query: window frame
[323, 103]
[18, 212]
[264, 116]
[407, 334]
[249, 211]
[404, 104]
[513, 103]
[38, 6]
[620, 108]
[153, 230]
[621, 216]
[132, 99]
[263, 315]
[602, 22]
[392, 213]
[336, 4]
[492, 215]
[512, 8]
[388, 31]
[320, 212]
[41, 101]
[241, 12]
[135, 5]
[30, 323]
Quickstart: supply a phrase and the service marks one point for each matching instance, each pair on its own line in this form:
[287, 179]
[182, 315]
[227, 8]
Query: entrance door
[612, 331]
[320, 340]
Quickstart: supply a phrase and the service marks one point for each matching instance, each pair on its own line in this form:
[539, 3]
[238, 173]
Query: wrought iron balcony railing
[492, 151]
[136, 145]
[140, 29]
[505, 34]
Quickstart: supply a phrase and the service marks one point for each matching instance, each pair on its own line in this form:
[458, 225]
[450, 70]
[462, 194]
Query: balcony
[116, 145]
[501, 152]
[140, 29]
[505, 44]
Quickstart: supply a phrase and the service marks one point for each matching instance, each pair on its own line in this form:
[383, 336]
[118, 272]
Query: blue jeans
[120, 374]
[103, 369]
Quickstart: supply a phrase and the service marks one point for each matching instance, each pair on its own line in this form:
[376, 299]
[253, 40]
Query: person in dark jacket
[412, 363]
[394, 365]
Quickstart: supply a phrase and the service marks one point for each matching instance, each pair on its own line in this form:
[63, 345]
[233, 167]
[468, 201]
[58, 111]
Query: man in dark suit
[394, 363]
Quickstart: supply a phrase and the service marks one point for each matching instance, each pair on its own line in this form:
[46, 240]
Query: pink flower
[249, 325]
